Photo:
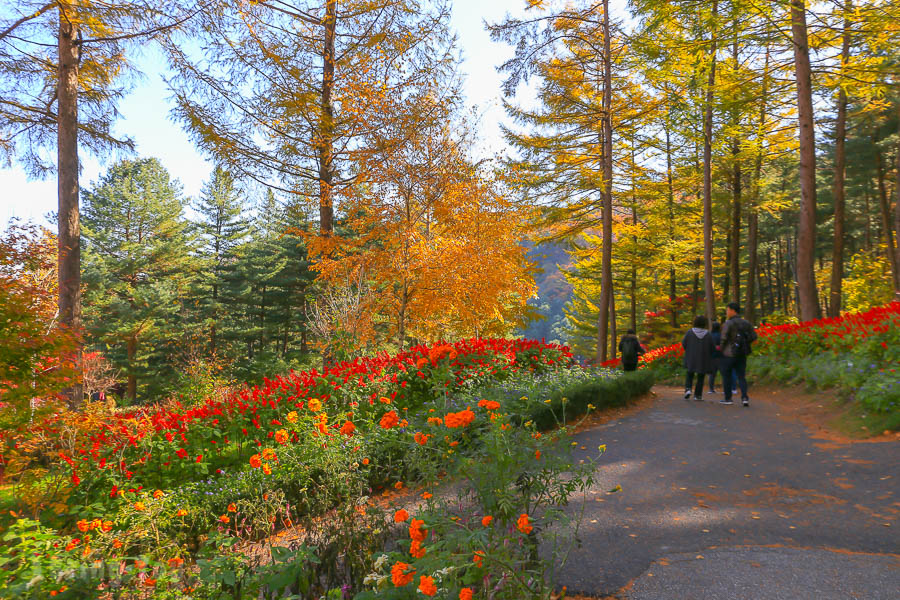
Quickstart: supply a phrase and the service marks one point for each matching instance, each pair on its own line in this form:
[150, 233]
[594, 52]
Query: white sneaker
[687, 394]
[745, 401]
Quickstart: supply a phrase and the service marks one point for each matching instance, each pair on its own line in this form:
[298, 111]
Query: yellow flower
[267, 469]
[314, 404]
[158, 494]
[139, 506]
[292, 416]
[268, 454]
[181, 513]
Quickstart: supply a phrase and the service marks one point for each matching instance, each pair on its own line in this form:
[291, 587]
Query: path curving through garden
[726, 502]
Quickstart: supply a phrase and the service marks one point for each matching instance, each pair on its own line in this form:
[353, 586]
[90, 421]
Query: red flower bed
[149, 442]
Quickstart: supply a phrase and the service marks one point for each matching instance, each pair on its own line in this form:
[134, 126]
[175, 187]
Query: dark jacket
[632, 339]
[698, 348]
[716, 352]
[729, 328]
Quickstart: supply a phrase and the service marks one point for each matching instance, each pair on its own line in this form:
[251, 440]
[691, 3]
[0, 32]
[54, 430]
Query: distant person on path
[630, 348]
[698, 349]
[737, 336]
[715, 333]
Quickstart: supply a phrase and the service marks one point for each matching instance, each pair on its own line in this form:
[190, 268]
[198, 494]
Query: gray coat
[698, 348]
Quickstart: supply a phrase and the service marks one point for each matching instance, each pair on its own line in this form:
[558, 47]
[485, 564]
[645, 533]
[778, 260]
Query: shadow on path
[706, 486]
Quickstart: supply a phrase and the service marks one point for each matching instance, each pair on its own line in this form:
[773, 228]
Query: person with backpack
[630, 348]
[698, 349]
[715, 333]
[737, 336]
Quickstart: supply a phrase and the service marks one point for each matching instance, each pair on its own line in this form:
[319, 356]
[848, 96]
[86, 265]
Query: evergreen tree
[222, 228]
[137, 270]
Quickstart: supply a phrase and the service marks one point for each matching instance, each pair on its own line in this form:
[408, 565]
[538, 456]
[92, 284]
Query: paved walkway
[726, 502]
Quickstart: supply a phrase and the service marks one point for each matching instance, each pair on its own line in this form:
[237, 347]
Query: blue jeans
[737, 365]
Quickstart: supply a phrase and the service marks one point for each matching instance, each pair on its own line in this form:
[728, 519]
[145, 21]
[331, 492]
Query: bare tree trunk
[753, 216]
[671, 205]
[885, 209]
[69, 239]
[840, 161]
[634, 270]
[326, 147]
[606, 121]
[806, 242]
[868, 216]
[612, 326]
[897, 228]
[779, 278]
[734, 267]
[707, 174]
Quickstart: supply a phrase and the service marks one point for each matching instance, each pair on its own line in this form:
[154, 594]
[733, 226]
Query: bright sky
[145, 116]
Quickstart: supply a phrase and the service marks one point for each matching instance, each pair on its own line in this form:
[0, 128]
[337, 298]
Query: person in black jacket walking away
[716, 333]
[737, 335]
[630, 348]
[698, 348]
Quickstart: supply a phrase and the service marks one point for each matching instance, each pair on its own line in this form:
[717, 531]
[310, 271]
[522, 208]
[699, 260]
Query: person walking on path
[737, 335]
[698, 349]
[630, 348]
[715, 333]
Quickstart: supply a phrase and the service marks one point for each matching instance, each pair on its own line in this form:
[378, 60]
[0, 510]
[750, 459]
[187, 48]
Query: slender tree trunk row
[606, 124]
[840, 129]
[707, 172]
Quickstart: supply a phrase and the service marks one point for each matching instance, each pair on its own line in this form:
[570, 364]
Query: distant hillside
[553, 292]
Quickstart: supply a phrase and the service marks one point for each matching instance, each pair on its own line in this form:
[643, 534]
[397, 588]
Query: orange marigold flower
[255, 461]
[139, 564]
[477, 559]
[384, 400]
[83, 525]
[158, 494]
[266, 469]
[537, 455]
[224, 519]
[400, 516]
[232, 507]
[149, 582]
[268, 454]
[96, 524]
[348, 428]
[454, 444]
[281, 436]
[427, 495]
[523, 524]
[486, 521]
[139, 506]
[174, 563]
[421, 363]
[466, 594]
[389, 419]
[181, 513]
[421, 438]
[398, 485]
[426, 585]
[435, 421]
[489, 404]
[117, 543]
[365, 461]
[399, 576]
[459, 419]
[416, 531]
[314, 404]
[416, 550]
[292, 416]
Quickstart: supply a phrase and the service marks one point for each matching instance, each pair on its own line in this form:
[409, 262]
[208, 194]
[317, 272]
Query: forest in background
[684, 155]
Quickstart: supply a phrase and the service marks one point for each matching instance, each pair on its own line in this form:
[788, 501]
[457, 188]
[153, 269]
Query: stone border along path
[727, 502]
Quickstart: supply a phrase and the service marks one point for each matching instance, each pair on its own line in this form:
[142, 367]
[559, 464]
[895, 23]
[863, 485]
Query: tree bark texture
[707, 174]
[326, 147]
[606, 119]
[806, 233]
[840, 134]
[885, 210]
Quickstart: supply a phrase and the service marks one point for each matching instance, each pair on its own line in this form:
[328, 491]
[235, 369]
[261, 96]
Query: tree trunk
[779, 278]
[69, 238]
[401, 319]
[734, 267]
[753, 215]
[897, 225]
[885, 209]
[671, 206]
[840, 134]
[868, 216]
[634, 269]
[806, 242]
[131, 390]
[606, 122]
[326, 146]
[612, 326]
[707, 175]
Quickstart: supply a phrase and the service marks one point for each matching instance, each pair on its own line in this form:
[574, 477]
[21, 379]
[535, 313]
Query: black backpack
[630, 346]
[741, 339]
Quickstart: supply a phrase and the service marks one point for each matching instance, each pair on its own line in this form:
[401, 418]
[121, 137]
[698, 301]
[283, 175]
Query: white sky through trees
[145, 117]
